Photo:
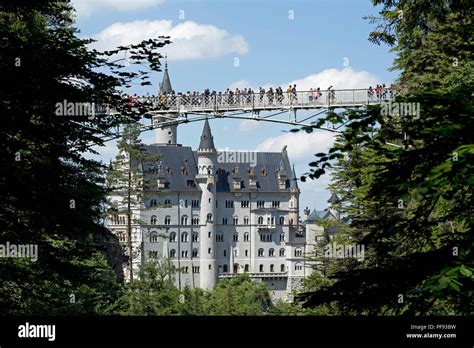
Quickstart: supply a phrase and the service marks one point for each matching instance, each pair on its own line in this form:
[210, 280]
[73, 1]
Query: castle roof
[293, 179]
[165, 86]
[180, 167]
[334, 198]
[207, 140]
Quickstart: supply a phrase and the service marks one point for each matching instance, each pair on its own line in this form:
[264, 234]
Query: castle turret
[334, 204]
[206, 178]
[294, 199]
[166, 135]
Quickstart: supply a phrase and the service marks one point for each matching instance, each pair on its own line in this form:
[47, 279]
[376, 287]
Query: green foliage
[405, 181]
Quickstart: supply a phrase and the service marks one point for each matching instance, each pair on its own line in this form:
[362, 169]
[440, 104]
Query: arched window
[236, 252]
[195, 237]
[184, 220]
[282, 252]
[271, 252]
[282, 237]
[272, 268]
[184, 237]
[121, 237]
[209, 217]
[236, 220]
[282, 220]
[291, 221]
[167, 220]
[153, 220]
[236, 237]
[260, 220]
[246, 237]
[260, 268]
[173, 237]
[172, 253]
[154, 238]
[195, 253]
[282, 268]
[246, 220]
[195, 220]
[298, 267]
[261, 252]
[268, 220]
[246, 268]
[298, 252]
[224, 269]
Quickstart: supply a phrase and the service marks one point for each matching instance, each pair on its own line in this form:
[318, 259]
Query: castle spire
[293, 179]
[165, 86]
[207, 141]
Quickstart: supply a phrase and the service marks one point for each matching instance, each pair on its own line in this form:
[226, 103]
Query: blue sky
[311, 42]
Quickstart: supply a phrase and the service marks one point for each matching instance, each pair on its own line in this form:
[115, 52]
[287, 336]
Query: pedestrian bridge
[256, 102]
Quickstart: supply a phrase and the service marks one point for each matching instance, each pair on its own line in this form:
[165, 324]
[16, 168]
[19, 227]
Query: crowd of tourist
[247, 96]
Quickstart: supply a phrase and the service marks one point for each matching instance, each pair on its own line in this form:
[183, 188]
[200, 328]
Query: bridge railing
[271, 101]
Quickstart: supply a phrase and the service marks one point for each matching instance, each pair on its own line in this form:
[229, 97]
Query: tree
[52, 194]
[127, 181]
[411, 205]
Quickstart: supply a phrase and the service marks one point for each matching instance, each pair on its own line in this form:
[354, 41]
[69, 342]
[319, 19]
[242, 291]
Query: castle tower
[334, 204]
[294, 199]
[206, 178]
[167, 135]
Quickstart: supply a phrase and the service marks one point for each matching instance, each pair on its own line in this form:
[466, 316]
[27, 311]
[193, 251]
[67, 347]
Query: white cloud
[301, 146]
[241, 84]
[248, 125]
[190, 40]
[85, 8]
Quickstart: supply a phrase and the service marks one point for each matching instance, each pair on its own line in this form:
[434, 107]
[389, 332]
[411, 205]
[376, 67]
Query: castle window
[209, 234]
[246, 253]
[246, 220]
[236, 252]
[236, 220]
[246, 268]
[167, 220]
[225, 253]
[261, 252]
[219, 237]
[153, 220]
[121, 237]
[236, 237]
[260, 220]
[272, 268]
[209, 217]
[298, 252]
[282, 237]
[184, 237]
[168, 171]
[210, 267]
[172, 253]
[184, 254]
[195, 237]
[195, 203]
[173, 237]
[275, 204]
[224, 221]
[153, 202]
[298, 267]
[154, 238]
[209, 251]
[185, 270]
[291, 222]
[282, 252]
[282, 268]
[224, 269]
[184, 220]
[195, 253]
[271, 252]
[260, 268]
[246, 237]
[195, 269]
[167, 201]
[282, 220]
[244, 204]
[260, 204]
[195, 220]
[229, 204]
[153, 254]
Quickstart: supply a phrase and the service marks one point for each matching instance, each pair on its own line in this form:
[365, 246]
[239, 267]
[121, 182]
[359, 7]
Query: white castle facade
[216, 217]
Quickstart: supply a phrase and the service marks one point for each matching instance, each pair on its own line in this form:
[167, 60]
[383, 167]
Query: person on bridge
[279, 95]
[262, 94]
[318, 93]
[310, 95]
[270, 96]
[294, 95]
[289, 90]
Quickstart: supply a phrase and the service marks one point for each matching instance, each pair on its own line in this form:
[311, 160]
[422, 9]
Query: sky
[218, 44]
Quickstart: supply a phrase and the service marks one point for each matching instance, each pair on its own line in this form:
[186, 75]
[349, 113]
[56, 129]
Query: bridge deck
[255, 102]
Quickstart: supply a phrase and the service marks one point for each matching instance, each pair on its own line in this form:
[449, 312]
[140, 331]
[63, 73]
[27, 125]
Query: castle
[216, 217]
